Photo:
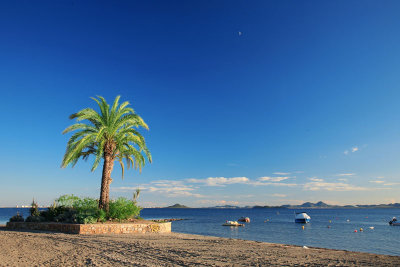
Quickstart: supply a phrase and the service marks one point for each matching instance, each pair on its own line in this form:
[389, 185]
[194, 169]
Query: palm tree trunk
[105, 182]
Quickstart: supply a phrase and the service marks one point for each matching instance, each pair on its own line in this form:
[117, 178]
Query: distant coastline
[306, 205]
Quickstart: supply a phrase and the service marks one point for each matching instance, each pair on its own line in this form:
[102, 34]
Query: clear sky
[248, 102]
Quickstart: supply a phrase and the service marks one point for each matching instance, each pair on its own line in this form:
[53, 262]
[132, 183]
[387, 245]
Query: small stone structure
[94, 229]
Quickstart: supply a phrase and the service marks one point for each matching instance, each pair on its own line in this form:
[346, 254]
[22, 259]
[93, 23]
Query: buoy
[348, 220]
[372, 228]
[330, 221]
[361, 229]
[355, 231]
[329, 226]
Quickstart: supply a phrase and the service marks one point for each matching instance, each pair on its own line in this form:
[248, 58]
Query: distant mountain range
[322, 205]
[306, 205]
[225, 207]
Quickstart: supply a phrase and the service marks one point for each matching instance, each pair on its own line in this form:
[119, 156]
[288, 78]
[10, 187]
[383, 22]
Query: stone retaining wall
[94, 229]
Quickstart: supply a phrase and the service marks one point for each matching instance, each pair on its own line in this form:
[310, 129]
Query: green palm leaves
[112, 126]
[111, 134]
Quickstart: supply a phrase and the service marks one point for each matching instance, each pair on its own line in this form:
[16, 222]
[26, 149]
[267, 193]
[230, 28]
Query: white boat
[394, 222]
[301, 217]
[232, 223]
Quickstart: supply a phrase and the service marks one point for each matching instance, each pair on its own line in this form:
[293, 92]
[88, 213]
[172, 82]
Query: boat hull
[302, 217]
[234, 225]
[302, 220]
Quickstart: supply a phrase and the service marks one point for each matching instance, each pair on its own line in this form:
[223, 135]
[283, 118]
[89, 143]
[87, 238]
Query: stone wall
[94, 229]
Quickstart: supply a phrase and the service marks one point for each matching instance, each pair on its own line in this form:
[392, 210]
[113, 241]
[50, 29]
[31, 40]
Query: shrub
[67, 201]
[87, 210]
[102, 216]
[72, 209]
[54, 212]
[67, 215]
[34, 210]
[35, 219]
[87, 206]
[85, 219]
[17, 218]
[123, 209]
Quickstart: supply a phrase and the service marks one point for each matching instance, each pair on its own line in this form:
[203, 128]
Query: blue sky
[261, 102]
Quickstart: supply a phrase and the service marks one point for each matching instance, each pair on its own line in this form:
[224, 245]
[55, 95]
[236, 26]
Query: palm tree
[110, 135]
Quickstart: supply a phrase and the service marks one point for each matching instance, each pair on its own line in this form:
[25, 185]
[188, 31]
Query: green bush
[87, 206]
[87, 210]
[72, 209]
[52, 212]
[68, 216]
[123, 209]
[34, 210]
[17, 218]
[35, 219]
[101, 215]
[85, 219]
[66, 201]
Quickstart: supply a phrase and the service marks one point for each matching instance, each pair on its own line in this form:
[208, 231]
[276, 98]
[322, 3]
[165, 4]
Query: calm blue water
[280, 228]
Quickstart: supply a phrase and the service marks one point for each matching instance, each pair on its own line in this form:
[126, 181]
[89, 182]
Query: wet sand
[23, 248]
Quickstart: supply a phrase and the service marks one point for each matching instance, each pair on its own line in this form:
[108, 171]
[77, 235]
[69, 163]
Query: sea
[329, 228]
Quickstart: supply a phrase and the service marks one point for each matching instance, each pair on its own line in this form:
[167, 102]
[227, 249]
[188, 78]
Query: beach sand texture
[22, 248]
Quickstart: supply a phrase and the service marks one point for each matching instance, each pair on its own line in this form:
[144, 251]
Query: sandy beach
[20, 248]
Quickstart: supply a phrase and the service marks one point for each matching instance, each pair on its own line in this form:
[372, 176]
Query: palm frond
[117, 125]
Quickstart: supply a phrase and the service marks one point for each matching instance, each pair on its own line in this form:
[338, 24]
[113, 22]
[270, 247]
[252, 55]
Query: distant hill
[225, 207]
[177, 206]
[310, 205]
[380, 206]
[322, 205]
[305, 205]
[269, 207]
[319, 204]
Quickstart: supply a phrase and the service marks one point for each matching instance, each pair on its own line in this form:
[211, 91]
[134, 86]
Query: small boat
[394, 222]
[232, 223]
[244, 219]
[301, 217]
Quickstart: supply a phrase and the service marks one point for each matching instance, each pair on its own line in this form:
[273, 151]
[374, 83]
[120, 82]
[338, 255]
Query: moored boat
[244, 219]
[301, 217]
[232, 223]
[394, 222]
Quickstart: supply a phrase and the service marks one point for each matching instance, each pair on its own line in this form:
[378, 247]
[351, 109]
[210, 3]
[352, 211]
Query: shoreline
[3, 228]
[172, 249]
[288, 245]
